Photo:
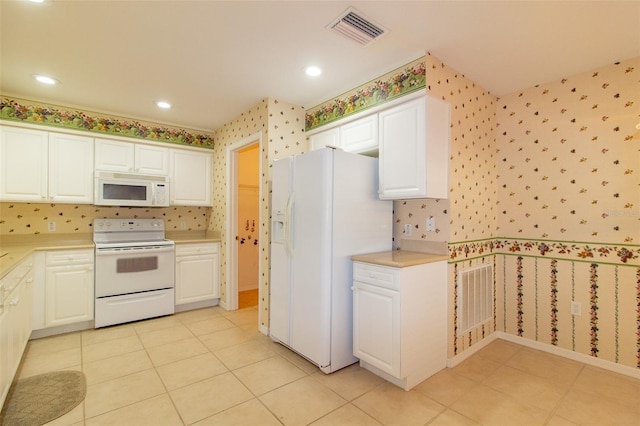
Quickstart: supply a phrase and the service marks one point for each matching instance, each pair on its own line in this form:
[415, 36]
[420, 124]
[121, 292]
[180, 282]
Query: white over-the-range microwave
[131, 190]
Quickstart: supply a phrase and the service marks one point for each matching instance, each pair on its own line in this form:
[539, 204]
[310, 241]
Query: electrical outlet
[431, 224]
[183, 225]
[51, 226]
[576, 308]
[407, 229]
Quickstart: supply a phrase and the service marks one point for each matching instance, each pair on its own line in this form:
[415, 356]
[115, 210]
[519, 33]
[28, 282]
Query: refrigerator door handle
[288, 246]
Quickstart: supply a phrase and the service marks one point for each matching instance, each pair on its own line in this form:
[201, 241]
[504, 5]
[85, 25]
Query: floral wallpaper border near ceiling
[399, 82]
[29, 112]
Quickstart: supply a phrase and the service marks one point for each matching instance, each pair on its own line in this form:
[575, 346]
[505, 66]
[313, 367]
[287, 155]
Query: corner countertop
[14, 248]
[399, 258]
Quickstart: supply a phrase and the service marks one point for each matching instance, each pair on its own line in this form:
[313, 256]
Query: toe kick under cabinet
[400, 320]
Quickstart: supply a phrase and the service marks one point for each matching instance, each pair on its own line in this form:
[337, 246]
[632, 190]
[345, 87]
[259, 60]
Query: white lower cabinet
[16, 299]
[400, 320]
[197, 272]
[68, 287]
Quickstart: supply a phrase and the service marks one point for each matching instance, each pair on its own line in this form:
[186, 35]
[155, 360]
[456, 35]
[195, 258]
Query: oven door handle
[115, 251]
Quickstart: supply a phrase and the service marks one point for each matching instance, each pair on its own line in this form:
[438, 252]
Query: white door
[360, 135]
[195, 278]
[191, 178]
[402, 151]
[151, 160]
[329, 137]
[23, 164]
[68, 294]
[376, 327]
[311, 259]
[70, 169]
[114, 156]
[280, 279]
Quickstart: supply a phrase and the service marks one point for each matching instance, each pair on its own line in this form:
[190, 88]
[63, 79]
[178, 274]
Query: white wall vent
[353, 25]
[475, 297]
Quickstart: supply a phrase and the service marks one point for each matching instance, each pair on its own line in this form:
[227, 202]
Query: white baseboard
[457, 359]
[575, 356]
[545, 347]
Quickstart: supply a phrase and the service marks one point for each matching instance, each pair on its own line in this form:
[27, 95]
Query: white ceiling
[216, 59]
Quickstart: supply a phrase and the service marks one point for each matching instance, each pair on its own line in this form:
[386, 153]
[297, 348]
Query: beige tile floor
[211, 367]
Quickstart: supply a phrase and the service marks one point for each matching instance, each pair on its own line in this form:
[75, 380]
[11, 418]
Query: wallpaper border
[14, 109]
[605, 253]
[402, 81]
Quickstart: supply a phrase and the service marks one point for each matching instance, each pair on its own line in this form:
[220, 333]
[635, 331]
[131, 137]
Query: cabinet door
[376, 327]
[360, 136]
[68, 294]
[191, 178]
[70, 169]
[23, 164]
[402, 145]
[114, 156]
[329, 137]
[151, 160]
[196, 278]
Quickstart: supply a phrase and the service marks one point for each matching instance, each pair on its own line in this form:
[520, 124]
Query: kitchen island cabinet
[399, 319]
[197, 275]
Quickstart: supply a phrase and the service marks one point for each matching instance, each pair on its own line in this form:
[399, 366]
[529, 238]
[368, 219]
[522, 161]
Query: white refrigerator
[324, 209]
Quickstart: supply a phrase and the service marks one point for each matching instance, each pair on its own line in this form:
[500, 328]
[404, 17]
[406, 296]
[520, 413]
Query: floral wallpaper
[50, 115]
[282, 127]
[33, 219]
[569, 215]
[543, 185]
[568, 155]
[400, 82]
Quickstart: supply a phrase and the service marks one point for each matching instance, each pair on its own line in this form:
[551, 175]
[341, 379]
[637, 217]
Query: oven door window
[111, 191]
[136, 264]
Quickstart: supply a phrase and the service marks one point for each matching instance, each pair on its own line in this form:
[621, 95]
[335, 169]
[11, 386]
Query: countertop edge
[399, 258]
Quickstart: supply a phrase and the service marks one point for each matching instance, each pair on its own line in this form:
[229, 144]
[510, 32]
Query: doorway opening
[248, 225]
[243, 219]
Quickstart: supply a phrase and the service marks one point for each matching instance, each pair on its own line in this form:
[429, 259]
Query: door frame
[231, 221]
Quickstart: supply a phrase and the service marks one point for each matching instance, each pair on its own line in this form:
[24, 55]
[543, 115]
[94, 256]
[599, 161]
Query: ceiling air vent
[353, 25]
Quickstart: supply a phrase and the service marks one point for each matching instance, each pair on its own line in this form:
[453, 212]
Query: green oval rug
[37, 400]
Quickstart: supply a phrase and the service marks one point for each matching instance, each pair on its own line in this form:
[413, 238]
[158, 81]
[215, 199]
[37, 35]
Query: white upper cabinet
[414, 150]
[23, 164]
[129, 157]
[358, 136]
[329, 137]
[41, 166]
[70, 168]
[191, 178]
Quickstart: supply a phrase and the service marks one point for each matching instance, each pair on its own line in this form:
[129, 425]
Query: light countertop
[399, 258]
[17, 247]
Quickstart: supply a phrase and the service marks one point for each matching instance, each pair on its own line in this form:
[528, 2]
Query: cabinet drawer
[376, 275]
[11, 280]
[66, 257]
[196, 249]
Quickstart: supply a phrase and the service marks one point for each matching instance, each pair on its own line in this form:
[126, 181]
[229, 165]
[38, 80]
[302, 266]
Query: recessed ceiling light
[313, 71]
[163, 104]
[45, 79]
